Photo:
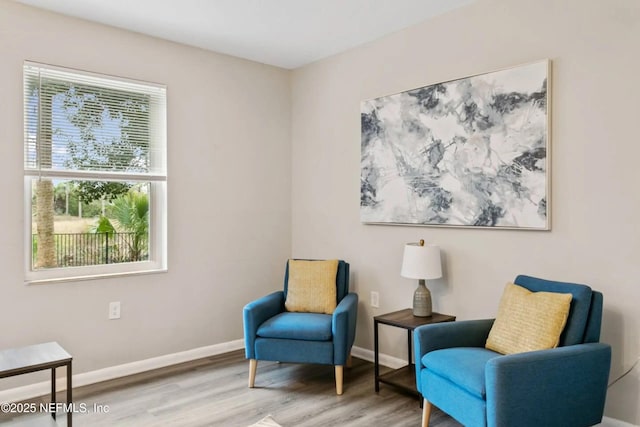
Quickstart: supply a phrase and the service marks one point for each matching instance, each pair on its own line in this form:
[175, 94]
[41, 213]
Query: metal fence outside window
[81, 249]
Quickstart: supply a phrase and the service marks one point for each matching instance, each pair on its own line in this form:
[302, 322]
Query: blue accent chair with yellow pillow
[275, 330]
[563, 386]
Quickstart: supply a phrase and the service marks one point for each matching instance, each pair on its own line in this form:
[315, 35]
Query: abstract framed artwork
[471, 152]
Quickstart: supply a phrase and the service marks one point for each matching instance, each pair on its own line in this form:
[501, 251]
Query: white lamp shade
[421, 262]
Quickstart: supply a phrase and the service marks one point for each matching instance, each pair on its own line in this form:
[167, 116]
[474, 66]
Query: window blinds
[82, 125]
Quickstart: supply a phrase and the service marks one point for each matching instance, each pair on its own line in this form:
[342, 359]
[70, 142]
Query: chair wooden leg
[253, 365]
[349, 361]
[426, 413]
[339, 378]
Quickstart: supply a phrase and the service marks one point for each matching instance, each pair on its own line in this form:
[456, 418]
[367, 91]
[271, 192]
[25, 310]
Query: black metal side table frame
[403, 378]
[39, 357]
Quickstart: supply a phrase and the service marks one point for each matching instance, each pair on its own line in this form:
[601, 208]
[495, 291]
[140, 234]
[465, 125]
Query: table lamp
[421, 262]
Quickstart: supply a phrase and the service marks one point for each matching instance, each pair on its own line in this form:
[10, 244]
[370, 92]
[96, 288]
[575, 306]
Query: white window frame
[157, 261]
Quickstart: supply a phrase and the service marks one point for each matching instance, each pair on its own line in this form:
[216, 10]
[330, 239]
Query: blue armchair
[564, 386]
[271, 333]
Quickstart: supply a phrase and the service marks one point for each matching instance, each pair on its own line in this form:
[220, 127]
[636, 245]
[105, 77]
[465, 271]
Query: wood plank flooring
[213, 392]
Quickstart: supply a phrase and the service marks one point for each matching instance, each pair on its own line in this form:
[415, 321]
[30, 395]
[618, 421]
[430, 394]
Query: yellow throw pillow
[312, 286]
[528, 321]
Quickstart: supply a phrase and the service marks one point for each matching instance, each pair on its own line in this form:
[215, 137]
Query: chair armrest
[255, 313]
[562, 386]
[466, 333]
[343, 328]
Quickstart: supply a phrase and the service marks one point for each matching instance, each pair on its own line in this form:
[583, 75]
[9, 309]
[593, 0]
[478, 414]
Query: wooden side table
[23, 360]
[405, 377]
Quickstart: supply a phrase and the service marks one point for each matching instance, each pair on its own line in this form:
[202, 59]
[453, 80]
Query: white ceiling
[284, 33]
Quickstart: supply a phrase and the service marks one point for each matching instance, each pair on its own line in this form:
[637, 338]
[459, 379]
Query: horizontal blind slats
[84, 122]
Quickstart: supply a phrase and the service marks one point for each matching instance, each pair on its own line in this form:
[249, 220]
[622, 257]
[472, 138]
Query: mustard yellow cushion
[528, 321]
[312, 286]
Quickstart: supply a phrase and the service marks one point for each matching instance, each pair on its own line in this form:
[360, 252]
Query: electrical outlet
[114, 310]
[375, 299]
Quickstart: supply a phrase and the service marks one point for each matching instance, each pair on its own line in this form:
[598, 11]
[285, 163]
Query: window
[95, 174]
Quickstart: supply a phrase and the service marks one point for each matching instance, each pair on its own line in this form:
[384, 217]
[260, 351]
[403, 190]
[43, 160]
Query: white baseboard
[385, 359]
[92, 377]
[44, 388]
[613, 422]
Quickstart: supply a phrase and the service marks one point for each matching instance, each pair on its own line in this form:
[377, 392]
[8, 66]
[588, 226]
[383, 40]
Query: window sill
[92, 277]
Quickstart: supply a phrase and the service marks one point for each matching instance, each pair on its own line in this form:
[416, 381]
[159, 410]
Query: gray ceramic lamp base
[422, 300]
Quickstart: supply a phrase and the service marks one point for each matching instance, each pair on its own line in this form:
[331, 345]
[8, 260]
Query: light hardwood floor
[213, 392]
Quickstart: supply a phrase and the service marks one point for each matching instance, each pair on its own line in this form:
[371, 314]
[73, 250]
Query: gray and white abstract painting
[468, 152]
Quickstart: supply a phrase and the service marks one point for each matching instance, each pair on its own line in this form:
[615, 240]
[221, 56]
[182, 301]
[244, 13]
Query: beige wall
[595, 236]
[262, 160]
[229, 210]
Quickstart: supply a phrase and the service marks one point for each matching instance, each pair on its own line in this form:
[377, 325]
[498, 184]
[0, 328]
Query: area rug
[267, 421]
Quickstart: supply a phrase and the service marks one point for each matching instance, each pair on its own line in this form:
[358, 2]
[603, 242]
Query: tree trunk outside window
[46, 257]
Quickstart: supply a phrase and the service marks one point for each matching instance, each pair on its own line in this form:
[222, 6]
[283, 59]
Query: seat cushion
[312, 286]
[297, 326]
[528, 321]
[463, 366]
